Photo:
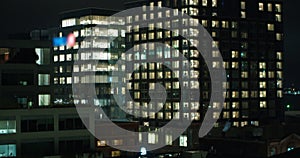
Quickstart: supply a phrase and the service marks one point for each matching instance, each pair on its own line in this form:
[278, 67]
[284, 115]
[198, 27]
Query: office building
[249, 35]
[92, 31]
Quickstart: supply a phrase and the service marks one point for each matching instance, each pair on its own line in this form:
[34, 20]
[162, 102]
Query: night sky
[18, 16]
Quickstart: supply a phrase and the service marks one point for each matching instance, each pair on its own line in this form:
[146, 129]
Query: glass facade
[90, 61]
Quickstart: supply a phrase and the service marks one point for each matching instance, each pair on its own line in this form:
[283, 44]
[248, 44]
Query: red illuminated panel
[71, 40]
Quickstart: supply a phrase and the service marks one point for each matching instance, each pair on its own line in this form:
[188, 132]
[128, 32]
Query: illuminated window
[235, 114]
[144, 16]
[214, 53]
[262, 85]
[136, 86]
[243, 14]
[262, 74]
[278, 18]
[129, 19]
[279, 65]
[234, 54]
[244, 74]
[215, 23]
[144, 36]
[290, 148]
[76, 68]
[235, 65]
[262, 65]
[136, 95]
[8, 150]
[76, 46]
[234, 25]
[263, 104]
[225, 24]
[278, 36]
[136, 18]
[168, 85]
[262, 94]
[152, 138]
[278, 8]
[226, 105]
[215, 64]
[235, 105]
[55, 58]
[226, 115]
[261, 6]
[193, 11]
[183, 141]
[69, 57]
[270, 27]
[193, 2]
[69, 80]
[7, 127]
[61, 69]
[115, 153]
[175, 85]
[168, 139]
[175, 13]
[204, 3]
[279, 74]
[44, 99]
[279, 94]
[167, 34]
[225, 85]
[243, 5]
[214, 3]
[159, 4]
[55, 80]
[213, 34]
[186, 116]
[43, 79]
[245, 94]
[168, 116]
[101, 143]
[151, 5]
[225, 95]
[216, 105]
[168, 13]
[76, 79]
[216, 115]
[152, 115]
[159, 75]
[68, 22]
[160, 115]
[235, 124]
[61, 57]
[144, 7]
[151, 16]
[215, 44]
[117, 142]
[270, 7]
[235, 94]
[204, 23]
[175, 106]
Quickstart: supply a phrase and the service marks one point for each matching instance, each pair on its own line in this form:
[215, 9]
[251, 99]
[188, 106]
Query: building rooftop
[86, 11]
